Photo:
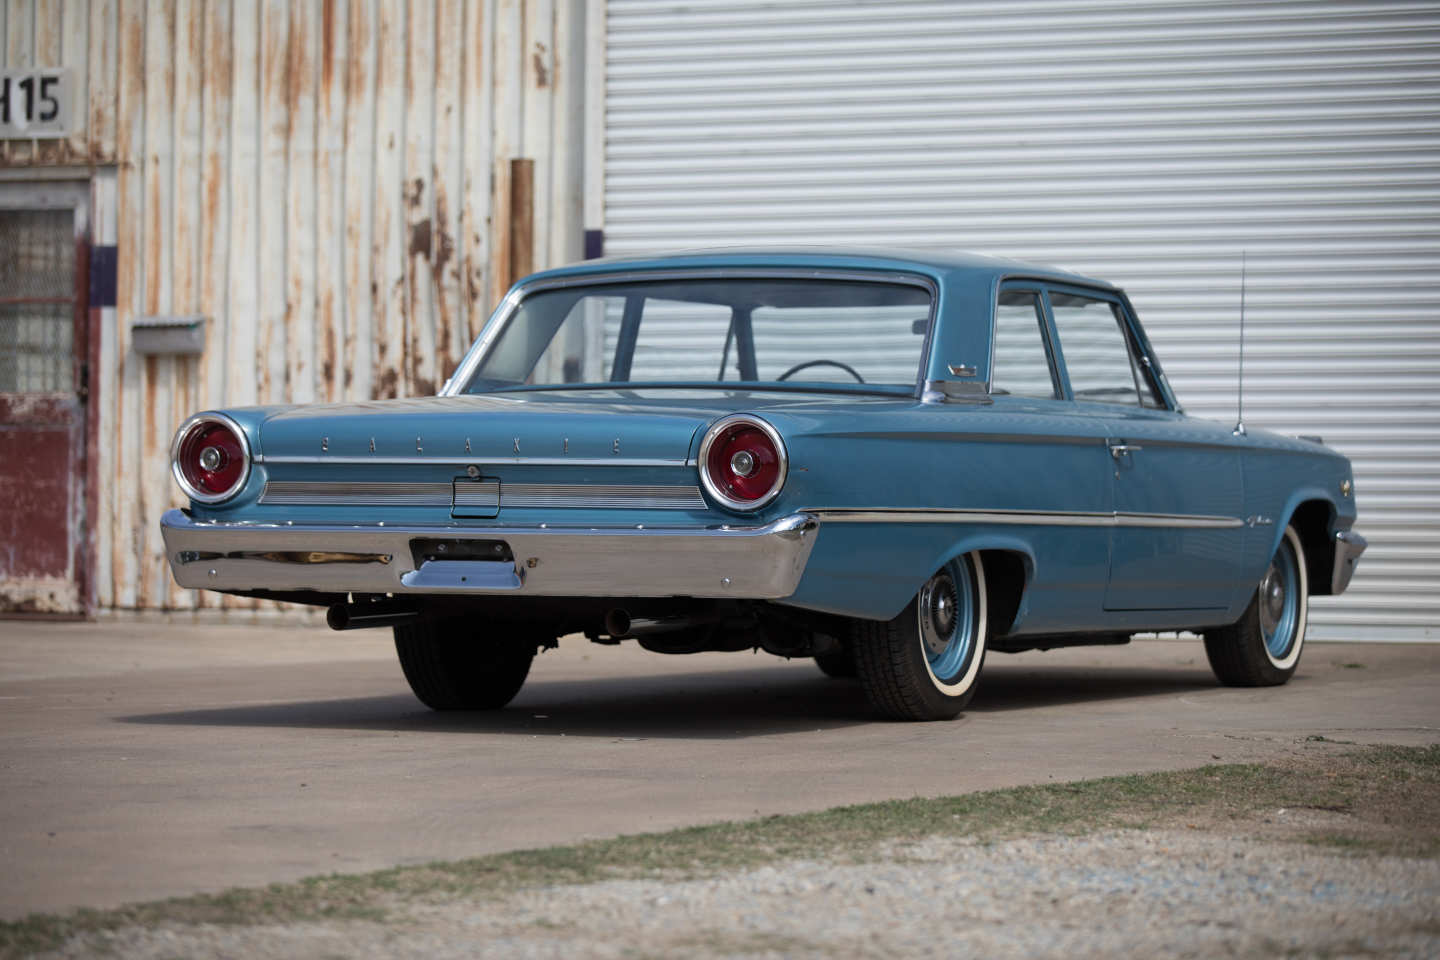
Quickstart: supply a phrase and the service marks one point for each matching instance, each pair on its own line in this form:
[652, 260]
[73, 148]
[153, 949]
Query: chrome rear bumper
[763, 563]
[1348, 547]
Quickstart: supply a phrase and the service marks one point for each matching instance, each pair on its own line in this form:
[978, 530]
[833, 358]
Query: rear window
[713, 331]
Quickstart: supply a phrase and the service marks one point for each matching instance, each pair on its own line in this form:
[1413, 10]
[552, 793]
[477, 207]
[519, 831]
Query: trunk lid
[495, 428]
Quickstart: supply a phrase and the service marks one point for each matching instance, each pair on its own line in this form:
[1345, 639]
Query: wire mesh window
[37, 301]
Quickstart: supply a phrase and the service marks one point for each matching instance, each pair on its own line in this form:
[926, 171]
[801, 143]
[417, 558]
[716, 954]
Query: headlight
[210, 458]
[742, 462]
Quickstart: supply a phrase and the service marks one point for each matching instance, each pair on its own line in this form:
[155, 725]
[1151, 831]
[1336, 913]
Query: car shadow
[700, 705]
[1031, 687]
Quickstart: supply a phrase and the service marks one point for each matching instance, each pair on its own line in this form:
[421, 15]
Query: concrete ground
[141, 760]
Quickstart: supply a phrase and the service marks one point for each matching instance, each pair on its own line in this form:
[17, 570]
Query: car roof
[950, 266]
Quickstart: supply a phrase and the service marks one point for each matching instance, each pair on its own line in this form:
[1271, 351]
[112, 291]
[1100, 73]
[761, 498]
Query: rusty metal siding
[327, 181]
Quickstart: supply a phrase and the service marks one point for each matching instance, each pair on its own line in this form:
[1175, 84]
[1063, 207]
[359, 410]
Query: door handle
[1118, 450]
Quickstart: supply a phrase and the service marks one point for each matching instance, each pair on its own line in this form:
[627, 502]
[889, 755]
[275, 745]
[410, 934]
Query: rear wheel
[448, 668]
[925, 664]
[1262, 648]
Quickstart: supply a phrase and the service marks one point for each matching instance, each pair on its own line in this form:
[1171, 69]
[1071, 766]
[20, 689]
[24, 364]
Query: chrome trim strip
[753, 562]
[506, 310]
[473, 493]
[633, 496]
[1026, 518]
[1348, 547]
[477, 495]
[294, 493]
[481, 460]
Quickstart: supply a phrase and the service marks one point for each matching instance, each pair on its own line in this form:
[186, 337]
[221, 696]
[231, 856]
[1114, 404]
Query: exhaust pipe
[619, 624]
[357, 616]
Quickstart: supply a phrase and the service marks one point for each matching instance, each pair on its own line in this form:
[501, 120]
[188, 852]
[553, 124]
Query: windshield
[860, 334]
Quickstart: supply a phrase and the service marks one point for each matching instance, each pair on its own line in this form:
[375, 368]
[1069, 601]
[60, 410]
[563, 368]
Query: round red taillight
[742, 462]
[210, 458]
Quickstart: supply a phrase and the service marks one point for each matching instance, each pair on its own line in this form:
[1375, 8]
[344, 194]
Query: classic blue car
[891, 462]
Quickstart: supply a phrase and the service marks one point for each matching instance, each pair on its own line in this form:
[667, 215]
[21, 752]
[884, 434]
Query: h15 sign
[34, 102]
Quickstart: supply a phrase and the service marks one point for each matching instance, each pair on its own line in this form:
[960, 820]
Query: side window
[1097, 353]
[1020, 365]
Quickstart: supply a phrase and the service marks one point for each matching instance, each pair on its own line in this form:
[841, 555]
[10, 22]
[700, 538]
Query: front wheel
[925, 664]
[449, 668]
[1262, 648]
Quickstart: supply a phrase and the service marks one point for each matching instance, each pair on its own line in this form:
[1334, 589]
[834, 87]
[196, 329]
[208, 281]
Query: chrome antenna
[1240, 385]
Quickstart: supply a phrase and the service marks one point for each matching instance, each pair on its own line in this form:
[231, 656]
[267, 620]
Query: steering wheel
[818, 363]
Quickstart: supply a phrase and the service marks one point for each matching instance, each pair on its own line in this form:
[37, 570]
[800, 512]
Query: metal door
[43, 314]
[1179, 538]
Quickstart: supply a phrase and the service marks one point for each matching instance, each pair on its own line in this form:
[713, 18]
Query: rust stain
[388, 386]
[420, 236]
[542, 72]
[327, 44]
[327, 353]
[443, 247]
[357, 81]
[214, 181]
[443, 253]
[414, 191]
[154, 234]
[298, 64]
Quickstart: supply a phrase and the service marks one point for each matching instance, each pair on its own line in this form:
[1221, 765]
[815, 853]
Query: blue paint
[867, 451]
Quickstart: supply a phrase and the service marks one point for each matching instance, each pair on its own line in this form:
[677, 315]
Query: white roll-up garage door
[1148, 143]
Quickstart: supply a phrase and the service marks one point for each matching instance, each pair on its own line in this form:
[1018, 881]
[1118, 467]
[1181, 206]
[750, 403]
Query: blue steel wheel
[925, 663]
[1263, 647]
[948, 617]
[1279, 603]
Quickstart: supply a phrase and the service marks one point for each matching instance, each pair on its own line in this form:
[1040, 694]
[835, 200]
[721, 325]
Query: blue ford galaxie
[891, 462]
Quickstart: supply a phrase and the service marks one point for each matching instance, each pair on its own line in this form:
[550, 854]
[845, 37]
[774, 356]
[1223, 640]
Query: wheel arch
[1313, 519]
[1007, 576]
[1009, 570]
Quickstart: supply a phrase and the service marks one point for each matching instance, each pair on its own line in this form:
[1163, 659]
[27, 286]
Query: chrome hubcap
[937, 613]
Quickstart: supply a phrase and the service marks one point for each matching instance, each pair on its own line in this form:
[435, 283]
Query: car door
[1047, 466]
[1178, 493]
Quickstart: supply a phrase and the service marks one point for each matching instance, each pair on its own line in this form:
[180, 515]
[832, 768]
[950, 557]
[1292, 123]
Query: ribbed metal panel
[1147, 143]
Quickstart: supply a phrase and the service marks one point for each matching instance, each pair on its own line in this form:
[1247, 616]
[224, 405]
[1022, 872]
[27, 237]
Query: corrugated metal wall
[1149, 143]
[328, 182]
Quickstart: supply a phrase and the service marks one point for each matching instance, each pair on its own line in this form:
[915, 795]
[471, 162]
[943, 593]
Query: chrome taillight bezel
[199, 421]
[718, 429]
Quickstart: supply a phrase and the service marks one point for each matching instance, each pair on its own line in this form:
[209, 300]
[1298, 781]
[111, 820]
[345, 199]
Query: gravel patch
[1178, 893]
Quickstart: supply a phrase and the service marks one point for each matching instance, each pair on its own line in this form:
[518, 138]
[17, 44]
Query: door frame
[73, 193]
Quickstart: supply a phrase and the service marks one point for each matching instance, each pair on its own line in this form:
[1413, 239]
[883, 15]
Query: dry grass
[1364, 801]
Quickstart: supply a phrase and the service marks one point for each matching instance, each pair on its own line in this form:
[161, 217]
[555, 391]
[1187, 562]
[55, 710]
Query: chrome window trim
[194, 493]
[708, 482]
[1024, 518]
[508, 307]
